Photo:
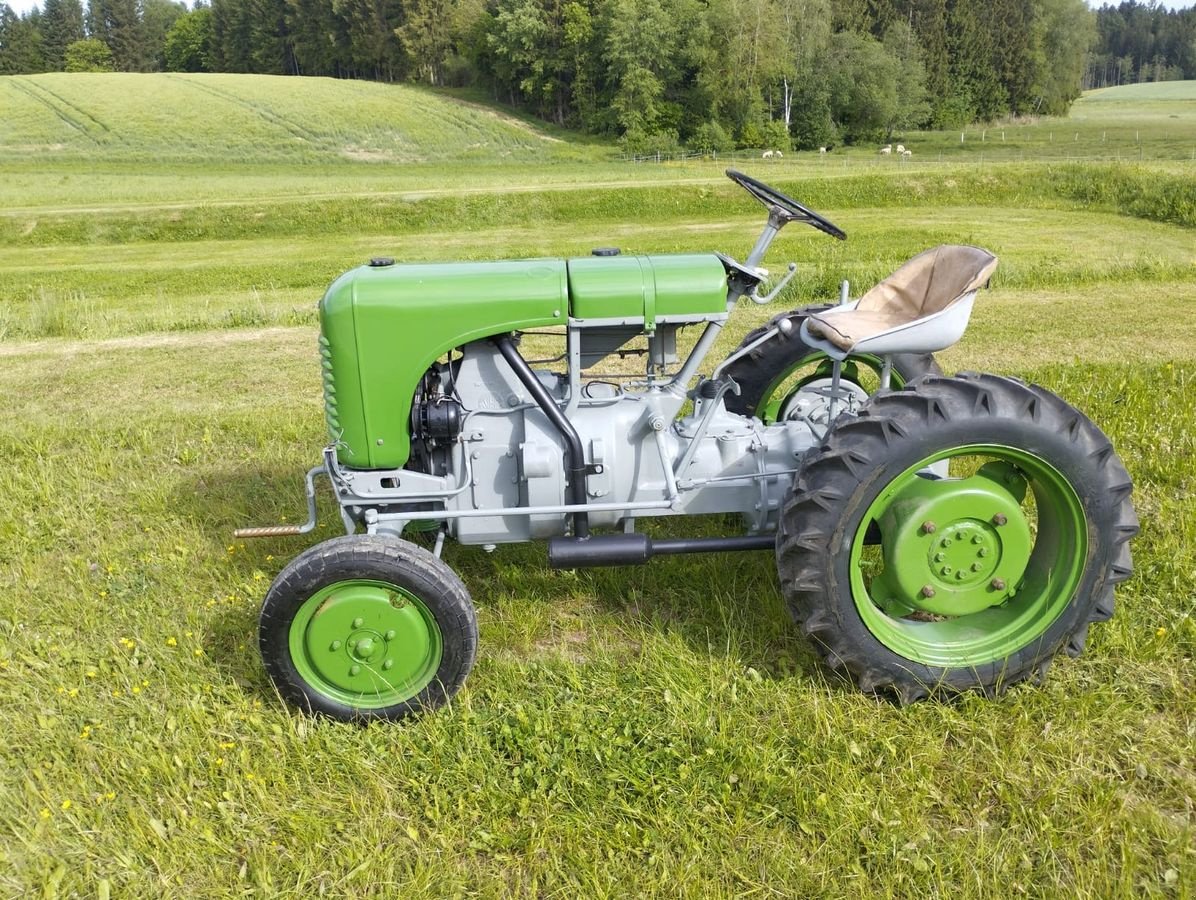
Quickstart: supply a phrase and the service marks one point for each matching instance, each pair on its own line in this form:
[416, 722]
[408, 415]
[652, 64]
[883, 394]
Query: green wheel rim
[769, 408]
[368, 644]
[969, 574]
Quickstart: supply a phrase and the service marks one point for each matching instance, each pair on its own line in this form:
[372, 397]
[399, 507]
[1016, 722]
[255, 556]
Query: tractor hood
[383, 325]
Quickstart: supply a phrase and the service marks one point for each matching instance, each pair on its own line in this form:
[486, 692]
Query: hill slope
[1161, 91]
[252, 118]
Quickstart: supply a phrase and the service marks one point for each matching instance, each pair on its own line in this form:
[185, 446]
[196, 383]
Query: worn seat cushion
[927, 284]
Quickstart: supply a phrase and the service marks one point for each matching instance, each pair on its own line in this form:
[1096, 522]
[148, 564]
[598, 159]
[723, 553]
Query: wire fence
[856, 157]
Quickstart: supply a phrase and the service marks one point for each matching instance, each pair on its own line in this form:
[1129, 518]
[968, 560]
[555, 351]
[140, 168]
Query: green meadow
[661, 730]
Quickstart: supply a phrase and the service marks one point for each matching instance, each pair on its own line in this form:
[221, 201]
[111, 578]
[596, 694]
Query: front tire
[979, 578]
[367, 627]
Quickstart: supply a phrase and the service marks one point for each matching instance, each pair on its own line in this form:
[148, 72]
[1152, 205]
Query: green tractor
[932, 534]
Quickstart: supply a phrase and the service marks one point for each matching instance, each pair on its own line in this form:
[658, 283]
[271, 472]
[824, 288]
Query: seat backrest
[931, 281]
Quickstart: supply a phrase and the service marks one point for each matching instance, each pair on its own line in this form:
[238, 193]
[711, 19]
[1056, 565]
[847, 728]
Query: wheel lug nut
[390, 635]
[997, 584]
[982, 552]
[355, 670]
[946, 570]
[352, 644]
[959, 576]
[976, 567]
[928, 527]
[388, 664]
[977, 539]
[336, 645]
[927, 591]
[999, 519]
[358, 622]
[939, 557]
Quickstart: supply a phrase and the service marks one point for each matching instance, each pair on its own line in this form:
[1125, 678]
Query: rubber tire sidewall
[385, 559]
[856, 648]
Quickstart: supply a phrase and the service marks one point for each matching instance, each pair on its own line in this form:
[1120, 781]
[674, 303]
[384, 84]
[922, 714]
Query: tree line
[711, 74]
[1142, 42]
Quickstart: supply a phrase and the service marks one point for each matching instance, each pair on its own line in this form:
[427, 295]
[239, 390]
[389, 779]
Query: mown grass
[234, 265]
[650, 731]
[659, 729]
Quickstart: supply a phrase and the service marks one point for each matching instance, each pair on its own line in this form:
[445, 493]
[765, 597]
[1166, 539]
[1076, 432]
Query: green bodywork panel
[382, 327]
[648, 287]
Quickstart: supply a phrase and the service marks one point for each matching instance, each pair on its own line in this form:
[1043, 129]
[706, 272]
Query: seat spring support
[836, 374]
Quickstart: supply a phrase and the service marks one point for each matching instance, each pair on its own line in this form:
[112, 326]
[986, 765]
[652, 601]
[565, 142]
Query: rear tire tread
[811, 523]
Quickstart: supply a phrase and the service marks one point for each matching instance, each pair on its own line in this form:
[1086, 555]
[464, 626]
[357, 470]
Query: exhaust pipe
[636, 549]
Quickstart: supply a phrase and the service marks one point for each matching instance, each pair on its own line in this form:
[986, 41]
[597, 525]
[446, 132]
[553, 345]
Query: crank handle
[771, 295]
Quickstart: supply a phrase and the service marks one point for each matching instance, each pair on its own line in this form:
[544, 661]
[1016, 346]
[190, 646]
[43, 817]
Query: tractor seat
[923, 307]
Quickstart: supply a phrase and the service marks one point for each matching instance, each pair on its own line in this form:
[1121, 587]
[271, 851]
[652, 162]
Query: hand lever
[771, 295]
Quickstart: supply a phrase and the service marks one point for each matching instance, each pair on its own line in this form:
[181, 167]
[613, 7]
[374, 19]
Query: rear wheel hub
[955, 546]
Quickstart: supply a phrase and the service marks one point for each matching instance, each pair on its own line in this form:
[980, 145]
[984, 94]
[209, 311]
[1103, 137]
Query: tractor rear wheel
[980, 577]
[366, 627]
[772, 376]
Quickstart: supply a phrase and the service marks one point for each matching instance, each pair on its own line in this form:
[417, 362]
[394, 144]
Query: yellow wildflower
[172, 642]
[45, 813]
[1161, 632]
[66, 804]
[91, 673]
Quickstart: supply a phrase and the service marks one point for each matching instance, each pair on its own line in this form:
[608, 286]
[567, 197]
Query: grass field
[660, 730]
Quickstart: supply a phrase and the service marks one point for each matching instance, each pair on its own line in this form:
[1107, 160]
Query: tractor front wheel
[365, 627]
[913, 583]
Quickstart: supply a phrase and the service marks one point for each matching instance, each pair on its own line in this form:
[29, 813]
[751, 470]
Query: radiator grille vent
[330, 412]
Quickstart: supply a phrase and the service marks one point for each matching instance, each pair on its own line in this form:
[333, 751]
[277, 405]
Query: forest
[709, 74]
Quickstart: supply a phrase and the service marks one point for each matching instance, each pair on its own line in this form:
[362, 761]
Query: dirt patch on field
[367, 154]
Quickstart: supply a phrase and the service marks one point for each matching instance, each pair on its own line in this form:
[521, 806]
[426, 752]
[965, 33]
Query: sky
[21, 6]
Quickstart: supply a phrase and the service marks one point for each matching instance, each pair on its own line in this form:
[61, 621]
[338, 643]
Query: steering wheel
[788, 209]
